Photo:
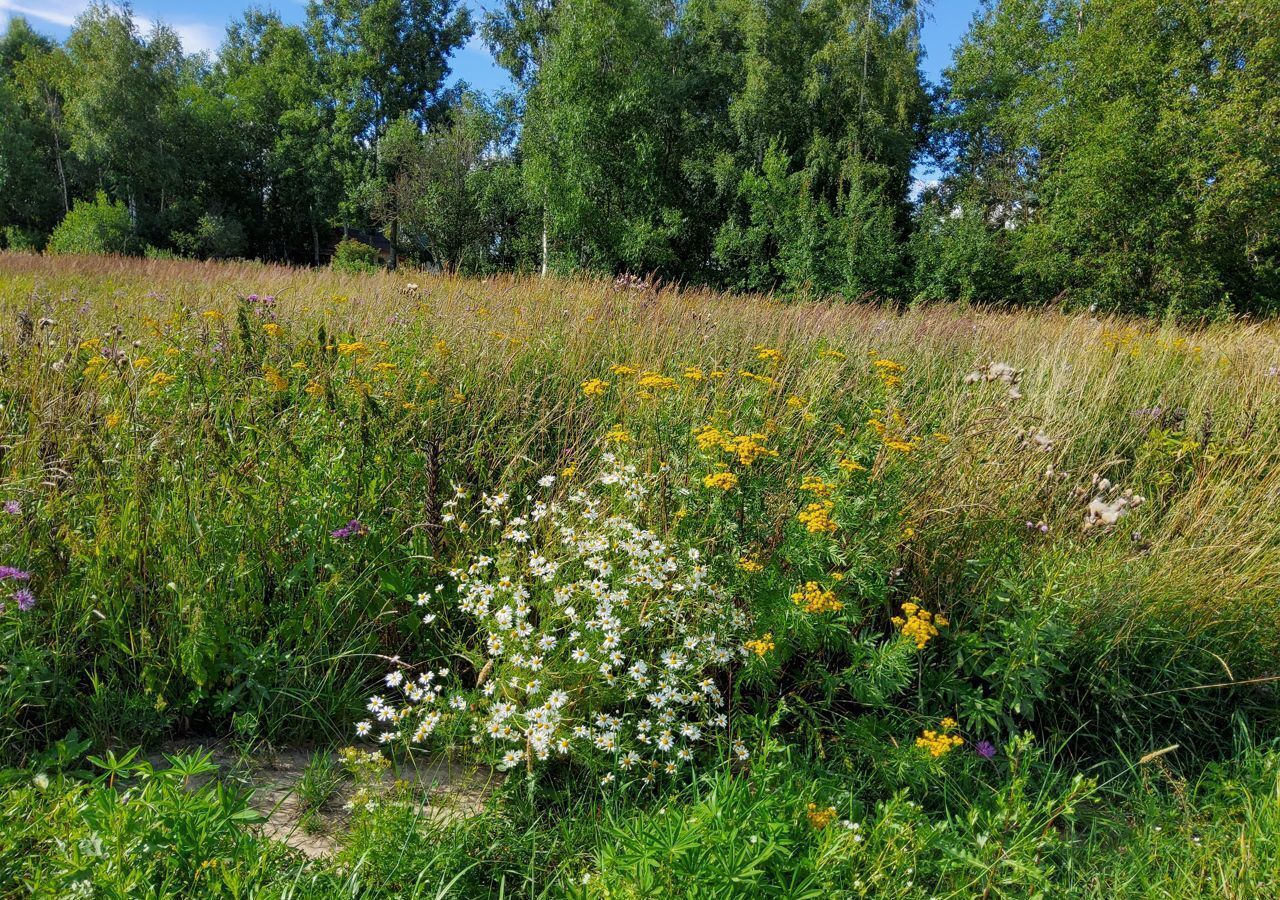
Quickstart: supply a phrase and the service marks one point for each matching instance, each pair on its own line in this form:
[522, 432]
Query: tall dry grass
[1188, 418]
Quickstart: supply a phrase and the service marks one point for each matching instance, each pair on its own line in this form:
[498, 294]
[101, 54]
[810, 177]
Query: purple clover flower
[13, 507]
[9, 573]
[985, 749]
[24, 598]
[354, 528]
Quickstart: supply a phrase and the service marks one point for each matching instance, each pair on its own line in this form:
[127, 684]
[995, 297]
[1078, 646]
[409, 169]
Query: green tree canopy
[1127, 152]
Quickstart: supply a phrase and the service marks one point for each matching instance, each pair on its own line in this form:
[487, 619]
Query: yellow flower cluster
[618, 435]
[814, 598]
[620, 369]
[95, 367]
[896, 423]
[891, 434]
[1128, 339]
[1179, 345]
[940, 742]
[761, 645]
[851, 465]
[161, 379]
[746, 447]
[889, 371]
[820, 818]
[726, 481]
[750, 564]
[816, 486]
[656, 381]
[594, 387]
[762, 379]
[693, 373]
[817, 517]
[354, 348]
[768, 354]
[708, 437]
[918, 624]
[272, 329]
[274, 379]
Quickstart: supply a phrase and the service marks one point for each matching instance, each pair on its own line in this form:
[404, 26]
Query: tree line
[1118, 153]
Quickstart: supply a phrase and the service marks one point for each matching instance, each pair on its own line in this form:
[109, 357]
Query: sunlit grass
[184, 452]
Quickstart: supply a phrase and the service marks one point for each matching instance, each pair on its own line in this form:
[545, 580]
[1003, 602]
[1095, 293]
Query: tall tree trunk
[62, 174]
[54, 112]
[544, 240]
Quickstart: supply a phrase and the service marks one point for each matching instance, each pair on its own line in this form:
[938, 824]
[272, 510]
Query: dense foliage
[1117, 153]
[733, 593]
[1124, 152]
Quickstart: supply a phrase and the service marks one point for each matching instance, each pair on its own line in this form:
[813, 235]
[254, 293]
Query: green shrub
[956, 256]
[22, 239]
[133, 831]
[98, 227]
[153, 252]
[567, 622]
[354, 256]
[214, 237]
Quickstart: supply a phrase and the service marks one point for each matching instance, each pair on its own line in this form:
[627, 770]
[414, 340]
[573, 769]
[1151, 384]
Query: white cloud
[920, 185]
[196, 36]
[54, 12]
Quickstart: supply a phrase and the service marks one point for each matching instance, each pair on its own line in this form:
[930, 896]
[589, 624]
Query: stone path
[447, 790]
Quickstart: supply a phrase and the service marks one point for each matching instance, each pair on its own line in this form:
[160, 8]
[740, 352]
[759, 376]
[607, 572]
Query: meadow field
[724, 596]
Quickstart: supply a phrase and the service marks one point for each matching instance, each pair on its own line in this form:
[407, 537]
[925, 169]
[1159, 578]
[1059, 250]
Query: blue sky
[201, 26]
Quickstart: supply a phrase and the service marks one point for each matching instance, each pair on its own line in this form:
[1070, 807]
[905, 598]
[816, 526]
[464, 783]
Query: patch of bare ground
[312, 818]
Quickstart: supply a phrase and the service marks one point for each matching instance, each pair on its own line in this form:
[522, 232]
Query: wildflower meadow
[703, 596]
